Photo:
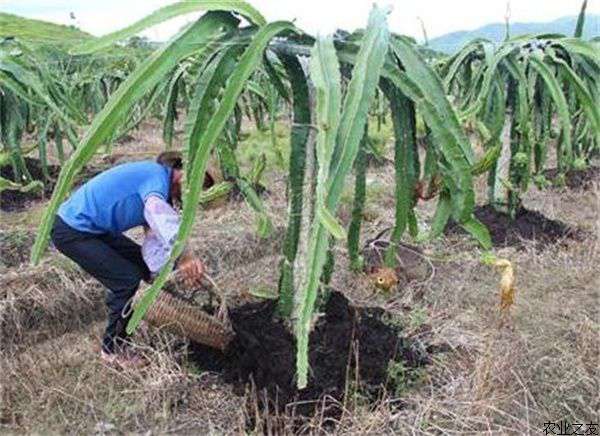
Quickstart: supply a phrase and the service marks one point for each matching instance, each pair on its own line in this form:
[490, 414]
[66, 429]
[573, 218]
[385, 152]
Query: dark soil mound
[346, 344]
[13, 200]
[528, 225]
[576, 180]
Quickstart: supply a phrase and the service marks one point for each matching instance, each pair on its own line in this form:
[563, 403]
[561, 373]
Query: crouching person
[89, 230]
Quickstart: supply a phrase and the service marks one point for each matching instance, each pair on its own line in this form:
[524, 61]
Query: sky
[312, 16]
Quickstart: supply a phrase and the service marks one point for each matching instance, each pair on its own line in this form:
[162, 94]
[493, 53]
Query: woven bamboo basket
[177, 316]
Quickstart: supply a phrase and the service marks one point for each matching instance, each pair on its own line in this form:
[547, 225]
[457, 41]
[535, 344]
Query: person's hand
[192, 272]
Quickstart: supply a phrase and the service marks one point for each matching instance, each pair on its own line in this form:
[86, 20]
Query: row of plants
[526, 99]
[231, 62]
[47, 97]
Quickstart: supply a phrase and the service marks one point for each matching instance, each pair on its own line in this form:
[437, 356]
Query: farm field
[543, 365]
[395, 240]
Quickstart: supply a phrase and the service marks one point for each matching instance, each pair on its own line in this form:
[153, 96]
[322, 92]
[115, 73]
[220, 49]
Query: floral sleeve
[163, 222]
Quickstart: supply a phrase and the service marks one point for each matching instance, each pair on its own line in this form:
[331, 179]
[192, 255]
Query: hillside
[39, 31]
[495, 32]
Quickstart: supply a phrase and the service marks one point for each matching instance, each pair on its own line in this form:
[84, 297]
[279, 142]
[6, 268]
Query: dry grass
[14, 247]
[68, 390]
[516, 378]
[46, 301]
[542, 366]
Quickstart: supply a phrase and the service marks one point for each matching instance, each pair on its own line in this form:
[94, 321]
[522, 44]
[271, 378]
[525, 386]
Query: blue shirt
[113, 201]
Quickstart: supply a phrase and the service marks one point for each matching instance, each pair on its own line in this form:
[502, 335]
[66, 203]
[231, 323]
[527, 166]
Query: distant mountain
[495, 32]
[39, 31]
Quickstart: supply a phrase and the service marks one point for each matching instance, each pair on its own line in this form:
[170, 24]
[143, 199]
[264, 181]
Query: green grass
[255, 142]
[405, 379]
[381, 135]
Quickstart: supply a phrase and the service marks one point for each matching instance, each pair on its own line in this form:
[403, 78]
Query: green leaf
[491, 72]
[413, 224]
[432, 89]
[487, 161]
[406, 163]
[458, 61]
[562, 108]
[488, 258]
[587, 102]
[35, 185]
[581, 20]
[235, 84]
[361, 90]
[214, 192]
[264, 293]
[582, 48]
[421, 84]
[330, 223]
[325, 73]
[4, 158]
[275, 75]
[258, 168]
[360, 188]
[166, 13]
[264, 223]
[170, 115]
[22, 81]
[208, 86]
[297, 165]
[441, 215]
[479, 231]
[192, 40]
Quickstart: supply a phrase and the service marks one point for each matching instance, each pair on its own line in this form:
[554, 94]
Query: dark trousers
[116, 262]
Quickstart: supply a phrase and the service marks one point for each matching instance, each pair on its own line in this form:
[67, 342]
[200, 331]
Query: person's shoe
[126, 359]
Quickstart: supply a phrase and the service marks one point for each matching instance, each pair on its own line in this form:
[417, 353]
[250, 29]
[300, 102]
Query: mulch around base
[576, 180]
[528, 225]
[348, 343]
